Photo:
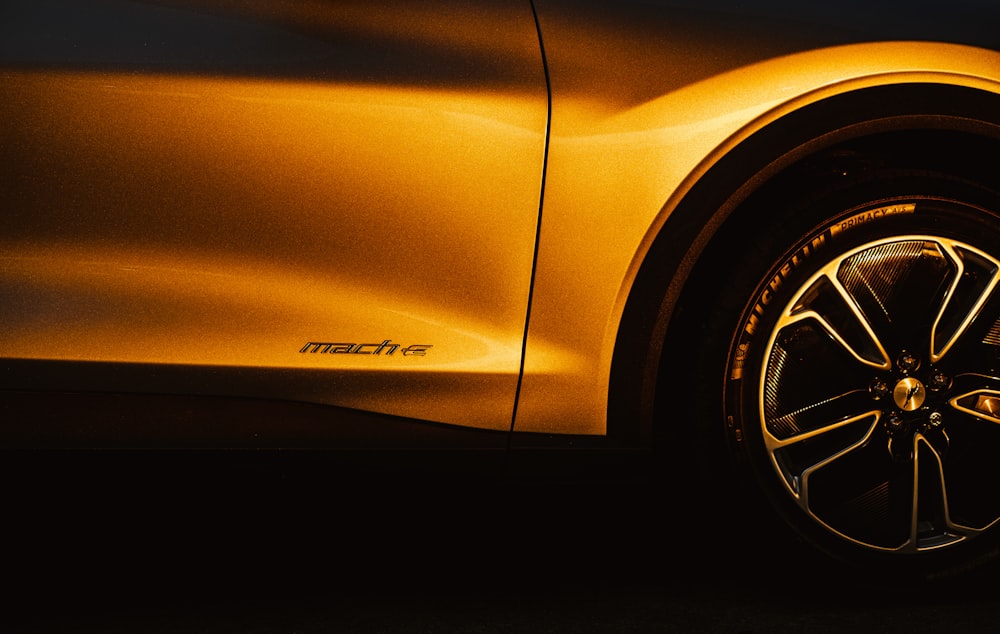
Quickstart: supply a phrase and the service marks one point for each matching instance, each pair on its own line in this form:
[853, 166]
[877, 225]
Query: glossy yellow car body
[185, 219]
[228, 217]
[597, 179]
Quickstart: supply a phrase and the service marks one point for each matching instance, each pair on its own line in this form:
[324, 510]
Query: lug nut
[935, 419]
[939, 380]
[878, 389]
[907, 361]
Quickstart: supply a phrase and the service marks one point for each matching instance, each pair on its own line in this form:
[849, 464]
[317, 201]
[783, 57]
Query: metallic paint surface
[200, 220]
[626, 146]
[356, 172]
[606, 199]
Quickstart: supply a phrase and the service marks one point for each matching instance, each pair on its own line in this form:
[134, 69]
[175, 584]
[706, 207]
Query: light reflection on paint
[616, 170]
[202, 221]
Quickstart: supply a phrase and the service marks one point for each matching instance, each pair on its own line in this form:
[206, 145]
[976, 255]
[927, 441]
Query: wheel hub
[909, 394]
[915, 407]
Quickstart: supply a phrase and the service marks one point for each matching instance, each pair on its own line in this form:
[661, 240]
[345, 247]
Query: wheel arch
[654, 317]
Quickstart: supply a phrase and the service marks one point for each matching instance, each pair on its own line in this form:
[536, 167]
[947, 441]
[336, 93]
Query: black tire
[860, 332]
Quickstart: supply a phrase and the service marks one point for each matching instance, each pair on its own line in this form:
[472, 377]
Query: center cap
[909, 394]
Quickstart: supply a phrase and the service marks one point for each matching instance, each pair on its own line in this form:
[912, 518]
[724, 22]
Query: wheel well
[926, 126]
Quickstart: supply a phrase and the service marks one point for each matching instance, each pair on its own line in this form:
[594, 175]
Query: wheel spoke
[981, 403]
[862, 494]
[969, 468]
[873, 279]
[973, 283]
[797, 457]
[826, 302]
[817, 419]
[977, 350]
[932, 523]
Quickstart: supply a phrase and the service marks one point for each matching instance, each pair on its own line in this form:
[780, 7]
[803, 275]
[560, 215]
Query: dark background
[286, 542]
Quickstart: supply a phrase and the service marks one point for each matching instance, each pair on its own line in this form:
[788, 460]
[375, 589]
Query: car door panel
[301, 192]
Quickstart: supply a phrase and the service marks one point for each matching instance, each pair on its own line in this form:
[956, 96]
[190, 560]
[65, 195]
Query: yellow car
[755, 242]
